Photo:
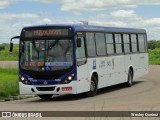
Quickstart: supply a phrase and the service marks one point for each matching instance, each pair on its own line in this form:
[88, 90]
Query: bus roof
[78, 27]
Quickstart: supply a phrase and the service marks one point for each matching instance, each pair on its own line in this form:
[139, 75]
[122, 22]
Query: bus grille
[45, 88]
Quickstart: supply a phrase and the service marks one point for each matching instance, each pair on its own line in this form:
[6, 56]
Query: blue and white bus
[73, 59]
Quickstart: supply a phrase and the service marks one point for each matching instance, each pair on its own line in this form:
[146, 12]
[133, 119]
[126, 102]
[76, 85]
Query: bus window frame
[114, 44]
[104, 43]
[115, 52]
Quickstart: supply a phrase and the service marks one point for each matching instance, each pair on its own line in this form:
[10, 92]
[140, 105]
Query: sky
[15, 14]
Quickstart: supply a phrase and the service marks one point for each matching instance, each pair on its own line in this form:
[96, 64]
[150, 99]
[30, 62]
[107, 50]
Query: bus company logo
[66, 88]
[6, 114]
[45, 83]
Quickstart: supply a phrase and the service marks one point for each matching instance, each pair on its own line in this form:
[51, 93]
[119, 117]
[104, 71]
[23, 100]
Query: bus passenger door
[82, 80]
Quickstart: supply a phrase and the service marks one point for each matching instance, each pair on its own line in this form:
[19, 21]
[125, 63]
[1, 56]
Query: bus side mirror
[11, 44]
[79, 42]
[11, 47]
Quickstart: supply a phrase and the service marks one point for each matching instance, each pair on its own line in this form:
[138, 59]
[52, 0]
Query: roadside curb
[12, 98]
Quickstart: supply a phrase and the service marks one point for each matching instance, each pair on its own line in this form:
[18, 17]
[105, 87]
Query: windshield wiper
[34, 45]
[53, 44]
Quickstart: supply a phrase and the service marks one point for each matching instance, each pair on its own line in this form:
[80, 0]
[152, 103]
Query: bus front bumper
[48, 89]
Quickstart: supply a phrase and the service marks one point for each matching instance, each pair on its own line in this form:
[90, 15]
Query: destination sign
[45, 33]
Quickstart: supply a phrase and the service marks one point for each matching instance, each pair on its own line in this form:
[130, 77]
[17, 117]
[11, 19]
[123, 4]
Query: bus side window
[134, 43]
[141, 42]
[90, 41]
[80, 51]
[109, 43]
[118, 42]
[126, 43]
[100, 44]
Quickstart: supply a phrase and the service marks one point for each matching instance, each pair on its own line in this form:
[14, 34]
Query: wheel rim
[93, 86]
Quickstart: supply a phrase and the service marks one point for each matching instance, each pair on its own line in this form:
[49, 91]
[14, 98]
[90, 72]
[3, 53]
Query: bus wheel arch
[129, 82]
[93, 85]
[131, 68]
[95, 74]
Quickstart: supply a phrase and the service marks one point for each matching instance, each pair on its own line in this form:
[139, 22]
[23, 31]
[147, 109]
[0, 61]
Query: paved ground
[144, 95]
[8, 64]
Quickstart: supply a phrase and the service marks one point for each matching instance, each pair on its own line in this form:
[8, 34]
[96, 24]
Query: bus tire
[130, 78]
[93, 87]
[45, 97]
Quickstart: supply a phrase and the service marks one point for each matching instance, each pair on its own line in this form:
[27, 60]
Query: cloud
[4, 4]
[47, 20]
[153, 22]
[129, 19]
[90, 5]
[123, 13]
[10, 16]
[77, 6]
[108, 23]
[11, 24]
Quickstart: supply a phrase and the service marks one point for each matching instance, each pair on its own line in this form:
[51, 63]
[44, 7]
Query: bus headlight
[23, 79]
[68, 79]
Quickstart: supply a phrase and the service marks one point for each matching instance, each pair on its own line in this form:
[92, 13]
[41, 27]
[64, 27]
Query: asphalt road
[144, 95]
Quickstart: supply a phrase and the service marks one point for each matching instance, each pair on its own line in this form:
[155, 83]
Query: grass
[8, 82]
[154, 57]
[8, 56]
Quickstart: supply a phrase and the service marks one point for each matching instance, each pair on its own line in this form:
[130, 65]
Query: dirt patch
[9, 64]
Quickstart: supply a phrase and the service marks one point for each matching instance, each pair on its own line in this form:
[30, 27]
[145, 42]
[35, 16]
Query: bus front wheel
[45, 97]
[93, 87]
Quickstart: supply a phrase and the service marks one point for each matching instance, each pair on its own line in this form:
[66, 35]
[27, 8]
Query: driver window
[80, 52]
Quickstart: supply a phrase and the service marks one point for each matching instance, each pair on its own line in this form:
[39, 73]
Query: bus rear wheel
[130, 79]
[93, 87]
[45, 97]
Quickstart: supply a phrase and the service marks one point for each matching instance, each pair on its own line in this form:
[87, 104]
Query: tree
[152, 44]
[2, 48]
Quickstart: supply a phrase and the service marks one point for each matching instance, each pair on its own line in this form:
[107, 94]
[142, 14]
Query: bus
[72, 59]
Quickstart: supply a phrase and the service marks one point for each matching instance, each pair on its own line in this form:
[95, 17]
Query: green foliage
[154, 56]
[153, 44]
[154, 52]
[2, 47]
[8, 82]
[8, 56]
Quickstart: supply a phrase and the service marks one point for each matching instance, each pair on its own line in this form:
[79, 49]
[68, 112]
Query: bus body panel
[139, 63]
[83, 80]
[98, 66]
[70, 88]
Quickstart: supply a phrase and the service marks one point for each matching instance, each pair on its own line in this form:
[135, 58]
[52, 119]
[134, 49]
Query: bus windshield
[46, 55]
